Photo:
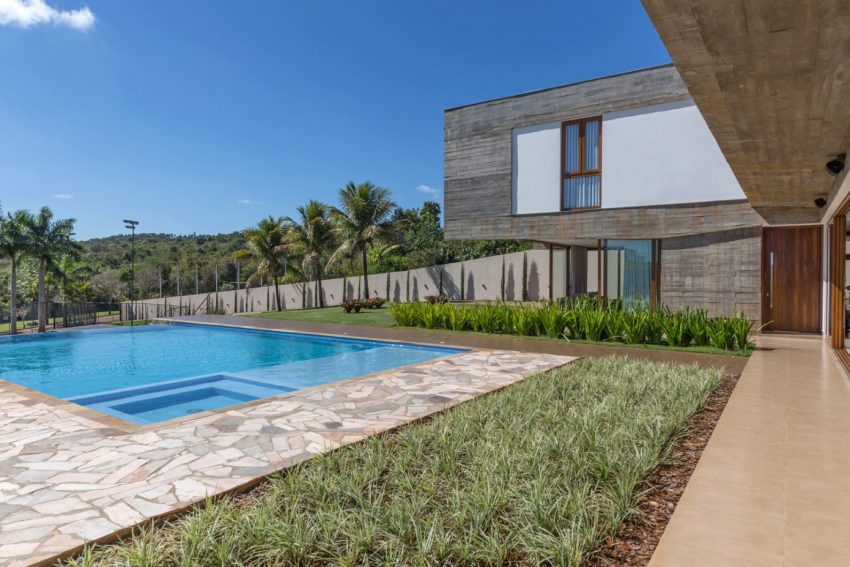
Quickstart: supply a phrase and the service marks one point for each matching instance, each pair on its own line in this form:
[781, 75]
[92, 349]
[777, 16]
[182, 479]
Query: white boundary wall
[479, 279]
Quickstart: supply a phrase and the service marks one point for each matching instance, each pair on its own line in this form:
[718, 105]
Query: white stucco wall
[656, 155]
[662, 155]
[536, 166]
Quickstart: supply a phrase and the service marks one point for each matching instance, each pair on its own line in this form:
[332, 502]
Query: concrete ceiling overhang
[772, 79]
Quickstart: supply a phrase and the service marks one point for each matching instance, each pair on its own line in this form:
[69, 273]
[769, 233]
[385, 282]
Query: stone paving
[69, 475]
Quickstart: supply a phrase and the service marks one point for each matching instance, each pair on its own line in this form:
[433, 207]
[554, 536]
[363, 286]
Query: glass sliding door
[630, 270]
[559, 266]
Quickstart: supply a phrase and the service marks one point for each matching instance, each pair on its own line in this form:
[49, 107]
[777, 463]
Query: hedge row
[584, 319]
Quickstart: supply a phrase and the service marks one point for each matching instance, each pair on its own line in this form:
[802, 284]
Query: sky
[203, 116]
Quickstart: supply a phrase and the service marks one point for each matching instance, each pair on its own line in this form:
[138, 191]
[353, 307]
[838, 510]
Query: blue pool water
[155, 372]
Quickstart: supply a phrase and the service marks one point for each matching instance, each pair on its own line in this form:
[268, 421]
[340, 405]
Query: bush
[355, 305]
[432, 299]
[405, 314]
[583, 318]
[374, 303]
[350, 305]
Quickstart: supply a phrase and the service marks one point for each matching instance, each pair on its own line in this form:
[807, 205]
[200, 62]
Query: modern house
[621, 178]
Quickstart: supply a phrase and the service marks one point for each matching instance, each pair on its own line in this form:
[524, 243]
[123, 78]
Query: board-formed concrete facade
[663, 177]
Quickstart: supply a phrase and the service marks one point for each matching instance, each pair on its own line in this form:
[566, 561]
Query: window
[581, 164]
[630, 270]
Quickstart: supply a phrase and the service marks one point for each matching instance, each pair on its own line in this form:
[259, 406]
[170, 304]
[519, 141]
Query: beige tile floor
[773, 485]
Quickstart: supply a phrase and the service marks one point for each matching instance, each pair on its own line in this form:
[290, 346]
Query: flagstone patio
[69, 475]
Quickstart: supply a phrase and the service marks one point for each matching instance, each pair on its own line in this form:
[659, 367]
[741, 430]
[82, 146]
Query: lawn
[540, 472]
[382, 318]
[366, 317]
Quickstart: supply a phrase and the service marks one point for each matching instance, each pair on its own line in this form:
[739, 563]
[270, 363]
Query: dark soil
[640, 534]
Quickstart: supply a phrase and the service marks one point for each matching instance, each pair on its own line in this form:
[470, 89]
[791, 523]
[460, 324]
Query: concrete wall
[479, 279]
[719, 271]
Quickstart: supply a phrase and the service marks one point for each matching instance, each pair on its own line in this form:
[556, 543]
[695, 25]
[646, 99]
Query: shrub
[742, 328]
[350, 305]
[405, 314]
[615, 324]
[485, 319]
[552, 320]
[655, 327]
[584, 318]
[373, 302]
[720, 334]
[698, 323]
[593, 324]
[459, 318]
[636, 326]
[432, 299]
[431, 317]
[524, 320]
[675, 326]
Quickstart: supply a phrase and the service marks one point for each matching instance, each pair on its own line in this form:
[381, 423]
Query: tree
[361, 219]
[313, 239]
[50, 240]
[72, 276]
[14, 243]
[421, 235]
[107, 285]
[267, 245]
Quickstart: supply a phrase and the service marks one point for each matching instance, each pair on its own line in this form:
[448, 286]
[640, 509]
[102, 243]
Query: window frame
[654, 273]
[582, 172]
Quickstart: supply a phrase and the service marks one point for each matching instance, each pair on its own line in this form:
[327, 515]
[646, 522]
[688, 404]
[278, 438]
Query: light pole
[131, 224]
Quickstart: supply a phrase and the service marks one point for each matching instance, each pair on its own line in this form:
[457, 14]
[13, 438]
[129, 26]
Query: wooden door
[791, 278]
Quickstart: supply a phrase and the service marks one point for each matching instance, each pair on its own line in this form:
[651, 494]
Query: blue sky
[204, 116]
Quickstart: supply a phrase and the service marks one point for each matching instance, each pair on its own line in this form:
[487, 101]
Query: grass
[541, 472]
[382, 318]
[367, 317]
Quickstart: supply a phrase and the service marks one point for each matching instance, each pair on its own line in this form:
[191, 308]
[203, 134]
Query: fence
[60, 315]
[145, 310]
[515, 276]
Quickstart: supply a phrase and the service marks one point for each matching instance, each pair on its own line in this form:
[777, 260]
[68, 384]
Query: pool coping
[116, 422]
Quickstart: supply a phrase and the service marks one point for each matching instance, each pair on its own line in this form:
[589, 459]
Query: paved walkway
[773, 485]
[69, 475]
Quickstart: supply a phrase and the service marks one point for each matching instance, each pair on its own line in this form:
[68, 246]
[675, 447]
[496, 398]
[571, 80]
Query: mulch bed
[640, 534]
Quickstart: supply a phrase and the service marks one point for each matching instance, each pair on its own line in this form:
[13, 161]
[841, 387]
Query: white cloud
[60, 196]
[427, 190]
[246, 202]
[28, 13]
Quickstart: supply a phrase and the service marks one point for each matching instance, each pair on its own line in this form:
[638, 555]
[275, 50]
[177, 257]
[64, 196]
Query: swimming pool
[155, 372]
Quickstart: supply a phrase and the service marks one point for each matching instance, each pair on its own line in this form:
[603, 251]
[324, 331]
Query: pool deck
[69, 476]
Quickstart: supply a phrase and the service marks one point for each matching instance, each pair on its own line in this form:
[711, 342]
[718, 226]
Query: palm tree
[50, 240]
[313, 238]
[14, 243]
[72, 276]
[267, 245]
[361, 219]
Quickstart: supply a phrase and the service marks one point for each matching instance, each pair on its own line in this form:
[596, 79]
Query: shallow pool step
[178, 398]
